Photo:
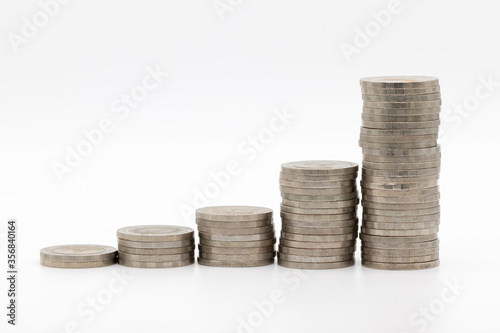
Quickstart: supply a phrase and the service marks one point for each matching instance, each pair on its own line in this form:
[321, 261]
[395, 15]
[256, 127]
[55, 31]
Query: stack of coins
[401, 164]
[319, 214]
[78, 256]
[235, 236]
[155, 246]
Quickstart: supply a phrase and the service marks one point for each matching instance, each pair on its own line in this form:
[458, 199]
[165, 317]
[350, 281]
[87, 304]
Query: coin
[319, 231]
[317, 245]
[315, 265]
[237, 238]
[399, 232]
[320, 204]
[402, 200]
[406, 139]
[238, 257]
[234, 225]
[318, 218]
[78, 253]
[320, 211]
[173, 250]
[401, 193]
[400, 225]
[400, 253]
[317, 178]
[166, 264]
[400, 180]
[401, 98]
[339, 197]
[399, 186]
[401, 206]
[317, 191]
[399, 132]
[399, 219]
[154, 245]
[234, 213]
[319, 168]
[400, 260]
[155, 233]
[318, 184]
[401, 173]
[77, 264]
[403, 105]
[266, 242]
[397, 240]
[317, 252]
[216, 263]
[402, 166]
[156, 257]
[319, 238]
[235, 250]
[399, 145]
[401, 246]
[338, 224]
[400, 91]
[236, 231]
[399, 82]
[387, 111]
[381, 117]
[382, 123]
[386, 266]
[400, 159]
[403, 152]
[295, 258]
[402, 213]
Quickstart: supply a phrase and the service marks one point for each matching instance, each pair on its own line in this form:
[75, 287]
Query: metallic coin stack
[235, 236]
[78, 256]
[319, 214]
[155, 246]
[401, 163]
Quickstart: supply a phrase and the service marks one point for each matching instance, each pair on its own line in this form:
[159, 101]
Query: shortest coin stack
[78, 256]
[155, 246]
[235, 236]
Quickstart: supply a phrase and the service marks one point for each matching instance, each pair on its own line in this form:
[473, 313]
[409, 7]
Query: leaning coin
[318, 218]
[399, 233]
[401, 219]
[155, 233]
[235, 250]
[236, 238]
[166, 264]
[400, 145]
[234, 225]
[401, 246]
[401, 213]
[317, 191]
[401, 98]
[399, 132]
[397, 240]
[402, 193]
[294, 258]
[155, 258]
[401, 173]
[154, 245]
[238, 257]
[398, 139]
[405, 206]
[173, 250]
[320, 211]
[402, 200]
[319, 168]
[405, 118]
[319, 238]
[403, 105]
[78, 253]
[338, 224]
[318, 185]
[339, 197]
[228, 244]
[317, 252]
[378, 265]
[319, 231]
[400, 91]
[323, 178]
[216, 263]
[234, 213]
[400, 253]
[384, 123]
[77, 264]
[400, 225]
[399, 82]
[399, 186]
[317, 245]
[315, 265]
[320, 204]
[400, 260]
[236, 231]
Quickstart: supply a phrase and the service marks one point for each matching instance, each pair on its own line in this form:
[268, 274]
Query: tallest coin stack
[401, 164]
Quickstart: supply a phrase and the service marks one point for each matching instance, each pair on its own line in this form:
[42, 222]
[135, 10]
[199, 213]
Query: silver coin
[385, 266]
[318, 218]
[237, 231]
[402, 213]
[400, 225]
[320, 204]
[400, 253]
[401, 173]
[405, 118]
[397, 239]
[78, 253]
[383, 124]
[173, 250]
[231, 244]
[402, 166]
[237, 238]
[400, 180]
[319, 168]
[397, 82]
[400, 219]
[400, 159]
[154, 245]
[401, 98]
[339, 197]
[320, 211]
[316, 252]
[401, 206]
[319, 231]
[338, 224]
[317, 245]
[314, 178]
[319, 238]
[77, 264]
[233, 224]
[155, 258]
[400, 260]
[238, 257]
[398, 186]
[400, 91]
[399, 145]
[403, 105]
[400, 232]
[155, 233]
[401, 246]
[166, 264]
[402, 200]
[398, 139]
[401, 193]
[235, 250]
[387, 111]
[399, 132]
[295, 258]
[403, 152]
[317, 191]
[216, 263]
[234, 213]
[318, 185]
[316, 265]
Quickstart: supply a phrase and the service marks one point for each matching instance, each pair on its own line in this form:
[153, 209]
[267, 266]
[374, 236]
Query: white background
[226, 78]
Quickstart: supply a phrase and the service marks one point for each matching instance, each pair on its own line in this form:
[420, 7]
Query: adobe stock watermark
[247, 151]
[121, 109]
[452, 118]
[381, 19]
[426, 315]
[265, 308]
[223, 7]
[88, 310]
[30, 27]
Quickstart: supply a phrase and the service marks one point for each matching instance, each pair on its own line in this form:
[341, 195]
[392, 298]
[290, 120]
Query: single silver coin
[400, 109]
[319, 168]
[400, 225]
[401, 173]
[295, 258]
[401, 246]
[316, 265]
[156, 257]
[399, 186]
[235, 250]
[318, 184]
[405, 118]
[238, 257]
[402, 193]
[234, 224]
[317, 191]
[402, 213]
[401, 159]
[400, 91]
[236, 231]
[400, 219]
[318, 218]
[228, 244]
[316, 252]
[400, 232]
[400, 260]
[399, 132]
[78, 253]
[319, 238]
[398, 145]
[401, 98]
[338, 197]
[403, 152]
[399, 82]
[402, 200]
[321, 204]
[154, 245]
[413, 266]
[403, 105]
[236, 238]
[319, 231]
[77, 264]
[151, 252]
[385, 123]
[400, 206]
[323, 225]
[216, 263]
[234, 213]
[317, 245]
[155, 233]
[320, 211]
[166, 264]
[400, 253]
[393, 139]
[400, 180]
[402, 166]
[317, 178]
[398, 239]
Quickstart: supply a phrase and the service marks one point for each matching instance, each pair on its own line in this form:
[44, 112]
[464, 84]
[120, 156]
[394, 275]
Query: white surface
[226, 78]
